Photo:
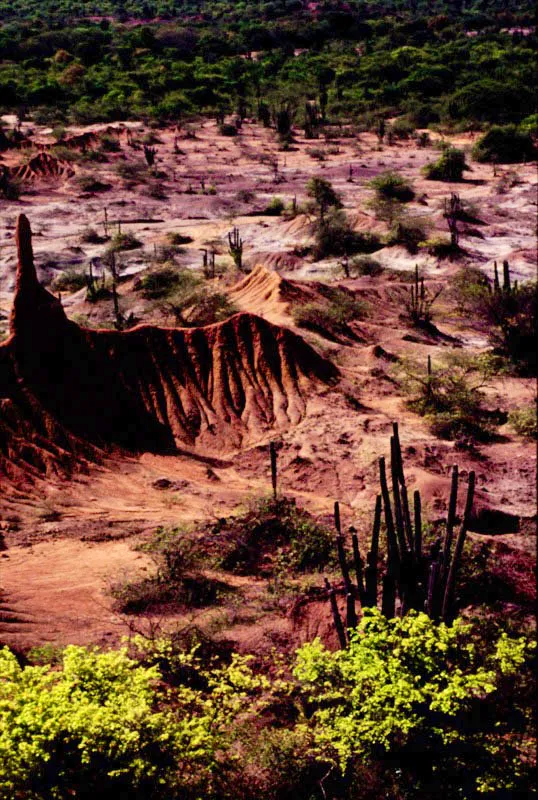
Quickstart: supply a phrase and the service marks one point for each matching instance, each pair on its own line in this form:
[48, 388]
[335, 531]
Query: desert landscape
[267, 400]
[330, 403]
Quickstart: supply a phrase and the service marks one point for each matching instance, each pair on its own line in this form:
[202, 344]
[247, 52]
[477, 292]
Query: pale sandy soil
[68, 541]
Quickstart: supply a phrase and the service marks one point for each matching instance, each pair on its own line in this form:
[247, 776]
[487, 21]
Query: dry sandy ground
[68, 541]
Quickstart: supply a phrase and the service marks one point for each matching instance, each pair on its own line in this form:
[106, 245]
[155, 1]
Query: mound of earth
[66, 392]
[268, 294]
[43, 165]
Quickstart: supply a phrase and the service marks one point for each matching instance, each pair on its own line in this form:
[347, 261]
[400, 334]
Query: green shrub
[90, 236]
[524, 421]
[91, 728]
[402, 128]
[449, 167]
[506, 145]
[104, 726]
[275, 207]
[71, 280]
[178, 581]
[10, 189]
[364, 265]
[205, 309]
[133, 172]
[331, 317]
[409, 232]
[167, 281]
[409, 686]
[178, 238]
[451, 398]
[335, 236]
[227, 129]
[124, 241]
[274, 527]
[323, 194]
[88, 183]
[509, 315]
[438, 246]
[390, 185]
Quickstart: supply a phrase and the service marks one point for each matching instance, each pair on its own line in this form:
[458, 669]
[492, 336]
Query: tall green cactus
[412, 579]
[235, 248]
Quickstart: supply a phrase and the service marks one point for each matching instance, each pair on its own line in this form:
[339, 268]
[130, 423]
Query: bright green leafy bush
[506, 145]
[420, 693]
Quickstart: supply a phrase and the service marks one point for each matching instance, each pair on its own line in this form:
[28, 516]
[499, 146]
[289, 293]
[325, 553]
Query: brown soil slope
[65, 390]
[43, 165]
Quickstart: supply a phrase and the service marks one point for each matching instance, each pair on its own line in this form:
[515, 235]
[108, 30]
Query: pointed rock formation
[66, 392]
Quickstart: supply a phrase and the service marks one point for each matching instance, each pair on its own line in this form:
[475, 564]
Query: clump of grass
[524, 421]
[275, 207]
[270, 529]
[90, 236]
[178, 238]
[88, 183]
[365, 265]
[70, 280]
[167, 281]
[124, 241]
[331, 317]
[178, 581]
[391, 185]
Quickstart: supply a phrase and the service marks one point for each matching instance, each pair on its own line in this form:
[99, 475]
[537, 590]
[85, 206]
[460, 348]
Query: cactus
[452, 214]
[235, 248]
[336, 614]
[149, 155]
[420, 301]
[411, 580]
[506, 277]
[496, 283]
[274, 468]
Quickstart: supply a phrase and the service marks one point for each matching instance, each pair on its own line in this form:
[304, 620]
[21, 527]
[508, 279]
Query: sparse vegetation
[505, 145]
[392, 186]
[524, 421]
[450, 396]
[449, 167]
[124, 241]
[70, 280]
[331, 316]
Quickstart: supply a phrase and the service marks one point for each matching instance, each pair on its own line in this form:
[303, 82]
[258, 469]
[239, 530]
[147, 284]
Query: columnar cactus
[235, 247]
[412, 579]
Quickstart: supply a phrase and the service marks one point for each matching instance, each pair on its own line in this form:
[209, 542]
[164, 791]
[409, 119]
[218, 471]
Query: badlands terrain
[105, 435]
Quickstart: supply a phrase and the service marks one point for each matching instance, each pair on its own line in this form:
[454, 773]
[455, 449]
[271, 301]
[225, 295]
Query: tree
[505, 145]
[449, 167]
[323, 194]
[420, 698]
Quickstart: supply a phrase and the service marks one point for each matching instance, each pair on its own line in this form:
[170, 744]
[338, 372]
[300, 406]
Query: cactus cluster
[507, 286]
[149, 155]
[452, 213]
[412, 578]
[208, 262]
[235, 248]
[420, 301]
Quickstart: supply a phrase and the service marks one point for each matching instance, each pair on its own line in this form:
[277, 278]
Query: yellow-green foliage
[407, 681]
[102, 724]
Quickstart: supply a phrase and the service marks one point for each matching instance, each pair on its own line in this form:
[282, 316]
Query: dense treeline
[455, 62]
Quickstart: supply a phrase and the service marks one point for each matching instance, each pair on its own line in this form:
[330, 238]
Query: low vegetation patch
[449, 167]
[330, 316]
[505, 144]
[71, 280]
[124, 241]
[450, 396]
[392, 185]
[272, 528]
[524, 421]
